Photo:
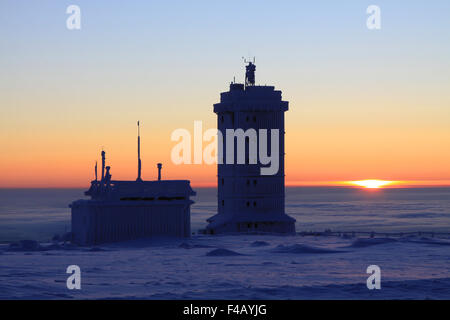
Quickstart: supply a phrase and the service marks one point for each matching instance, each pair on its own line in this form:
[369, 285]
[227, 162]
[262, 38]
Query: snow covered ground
[232, 267]
[244, 266]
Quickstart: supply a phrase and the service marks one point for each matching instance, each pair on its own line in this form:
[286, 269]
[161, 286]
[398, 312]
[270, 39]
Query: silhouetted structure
[247, 200]
[124, 210]
[139, 154]
[250, 74]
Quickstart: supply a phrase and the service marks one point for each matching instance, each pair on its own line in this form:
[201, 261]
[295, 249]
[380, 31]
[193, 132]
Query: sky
[363, 104]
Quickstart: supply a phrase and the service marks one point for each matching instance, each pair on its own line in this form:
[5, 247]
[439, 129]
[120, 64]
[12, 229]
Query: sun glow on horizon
[372, 184]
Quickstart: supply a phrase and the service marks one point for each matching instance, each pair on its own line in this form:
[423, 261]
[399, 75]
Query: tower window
[246, 119]
[254, 182]
[248, 182]
[223, 203]
[254, 203]
[254, 118]
[221, 119]
[248, 204]
[223, 181]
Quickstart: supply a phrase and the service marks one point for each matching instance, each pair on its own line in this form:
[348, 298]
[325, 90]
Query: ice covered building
[249, 201]
[125, 210]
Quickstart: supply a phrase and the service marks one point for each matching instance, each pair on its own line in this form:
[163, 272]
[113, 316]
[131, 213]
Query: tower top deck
[253, 98]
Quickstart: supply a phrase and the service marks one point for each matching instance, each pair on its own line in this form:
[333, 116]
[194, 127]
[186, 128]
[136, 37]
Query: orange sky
[52, 142]
[62, 157]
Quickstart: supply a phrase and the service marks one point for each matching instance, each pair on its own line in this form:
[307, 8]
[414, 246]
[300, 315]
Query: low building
[125, 210]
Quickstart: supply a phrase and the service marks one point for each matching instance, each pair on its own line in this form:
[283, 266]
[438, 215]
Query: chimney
[159, 165]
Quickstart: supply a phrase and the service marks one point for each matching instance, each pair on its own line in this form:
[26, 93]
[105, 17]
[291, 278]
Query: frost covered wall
[97, 221]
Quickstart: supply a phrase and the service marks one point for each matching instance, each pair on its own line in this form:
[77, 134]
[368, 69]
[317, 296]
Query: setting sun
[372, 184]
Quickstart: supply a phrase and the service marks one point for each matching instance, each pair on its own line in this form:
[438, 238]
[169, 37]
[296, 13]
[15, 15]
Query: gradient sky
[363, 104]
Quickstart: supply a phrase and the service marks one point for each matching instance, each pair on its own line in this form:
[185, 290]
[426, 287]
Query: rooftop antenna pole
[103, 164]
[95, 170]
[250, 69]
[139, 154]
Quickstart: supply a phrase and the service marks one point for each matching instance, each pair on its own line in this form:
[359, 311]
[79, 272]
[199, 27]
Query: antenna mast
[250, 69]
[139, 154]
[103, 164]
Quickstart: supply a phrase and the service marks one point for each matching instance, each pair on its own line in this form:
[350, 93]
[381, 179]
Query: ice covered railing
[373, 234]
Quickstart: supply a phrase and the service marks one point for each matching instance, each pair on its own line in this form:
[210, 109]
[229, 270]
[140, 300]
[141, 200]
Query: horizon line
[289, 184]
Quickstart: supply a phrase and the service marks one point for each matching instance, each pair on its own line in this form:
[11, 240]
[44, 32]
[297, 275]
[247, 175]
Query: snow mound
[425, 240]
[260, 244]
[367, 242]
[53, 246]
[96, 249]
[25, 245]
[32, 245]
[301, 248]
[222, 253]
[185, 245]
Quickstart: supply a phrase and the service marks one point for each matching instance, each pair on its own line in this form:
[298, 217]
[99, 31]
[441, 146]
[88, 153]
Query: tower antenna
[103, 164]
[139, 154]
[250, 69]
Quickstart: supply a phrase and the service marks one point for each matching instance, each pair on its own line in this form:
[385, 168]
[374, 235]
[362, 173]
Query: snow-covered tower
[249, 201]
